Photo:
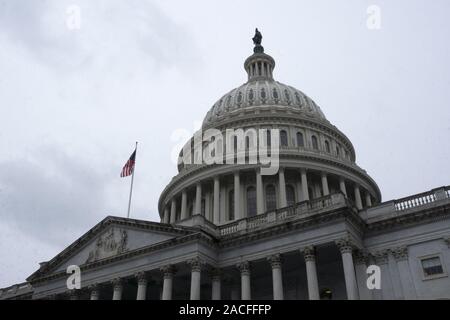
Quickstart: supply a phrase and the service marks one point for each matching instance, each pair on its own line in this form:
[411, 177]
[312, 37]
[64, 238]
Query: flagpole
[132, 180]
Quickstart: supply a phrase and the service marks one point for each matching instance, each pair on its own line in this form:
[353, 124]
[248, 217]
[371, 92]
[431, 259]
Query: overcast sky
[73, 101]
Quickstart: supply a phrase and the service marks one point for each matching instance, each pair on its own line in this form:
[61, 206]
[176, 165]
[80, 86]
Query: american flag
[129, 166]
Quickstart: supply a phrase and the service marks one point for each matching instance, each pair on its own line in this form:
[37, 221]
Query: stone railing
[421, 199]
[301, 209]
[395, 208]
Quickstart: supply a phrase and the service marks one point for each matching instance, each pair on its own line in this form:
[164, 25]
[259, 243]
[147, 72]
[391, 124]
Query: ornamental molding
[309, 253]
[381, 256]
[400, 253]
[168, 271]
[345, 245]
[275, 260]
[361, 257]
[196, 264]
[244, 267]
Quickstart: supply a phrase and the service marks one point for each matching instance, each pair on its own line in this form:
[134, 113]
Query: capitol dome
[315, 158]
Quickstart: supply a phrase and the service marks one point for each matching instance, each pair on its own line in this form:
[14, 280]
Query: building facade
[229, 231]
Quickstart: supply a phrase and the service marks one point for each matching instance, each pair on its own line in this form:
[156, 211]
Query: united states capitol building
[229, 231]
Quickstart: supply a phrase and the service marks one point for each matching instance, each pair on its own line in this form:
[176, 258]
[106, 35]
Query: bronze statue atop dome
[257, 39]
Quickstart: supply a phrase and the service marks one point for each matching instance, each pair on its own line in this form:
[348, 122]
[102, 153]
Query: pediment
[111, 237]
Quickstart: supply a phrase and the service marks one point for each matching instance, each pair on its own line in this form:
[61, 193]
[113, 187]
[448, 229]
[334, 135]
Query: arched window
[300, 141]
[271, 198]
[327, 146]
[290, 195]
[315, 144]
[251, 201]
[283, 138]
[231, 205]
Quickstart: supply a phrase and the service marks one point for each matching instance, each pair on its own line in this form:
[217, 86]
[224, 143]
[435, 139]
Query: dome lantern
[259, 66]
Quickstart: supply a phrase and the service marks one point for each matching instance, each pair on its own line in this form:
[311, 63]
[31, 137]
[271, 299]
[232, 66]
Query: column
[386, 292]
[244, 268]
[216, 287]
[361, 259]
[325, 189]
[166, 218]
[358, 201]
[342, 186]
[118, 289]
[345, 246]
[282, 186]
[259, 193]
[311, 273]
[304, 184]
[368, 200]
[184, 205]
[216, 209]
[198, 199]
[173, 211]
[168, 272]
[277, 276]
[95, 293]
[196, 265]
[142, 286]
[237, 196]
[401, 257]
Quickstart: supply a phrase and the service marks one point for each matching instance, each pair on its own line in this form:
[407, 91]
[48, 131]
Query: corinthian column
[401, 257]
[142, 286]
[196, 266]
[168, 272]
[216, 209]
[345, 246]
[198, 199]
[311, 273]
[118, 288]
[173, 211]
[216, 284]
[244, 268]
[304, 185]
[277, 276]
[183, 205]
[95, 293]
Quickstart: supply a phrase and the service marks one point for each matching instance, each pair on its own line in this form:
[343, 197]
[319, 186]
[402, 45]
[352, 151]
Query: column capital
[73, 294]
[93, 287]
[361, 257]
[275, 260]
[400, 253]
[196, 264]
[117, 283]
[381, 256]
[244, 267]
[447, 241]
[168, 271]
[142, 277]
[309, 253]
[345, 245]
[215, 273]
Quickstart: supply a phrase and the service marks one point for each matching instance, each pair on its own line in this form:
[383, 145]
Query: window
[271, 198]
[337, 150]
[231, 205]
[251, 202]
[315, 144]
[269, 138]
[290, 195]
[432, 267]
[283, 138]
[300, 141]
[327, 146]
